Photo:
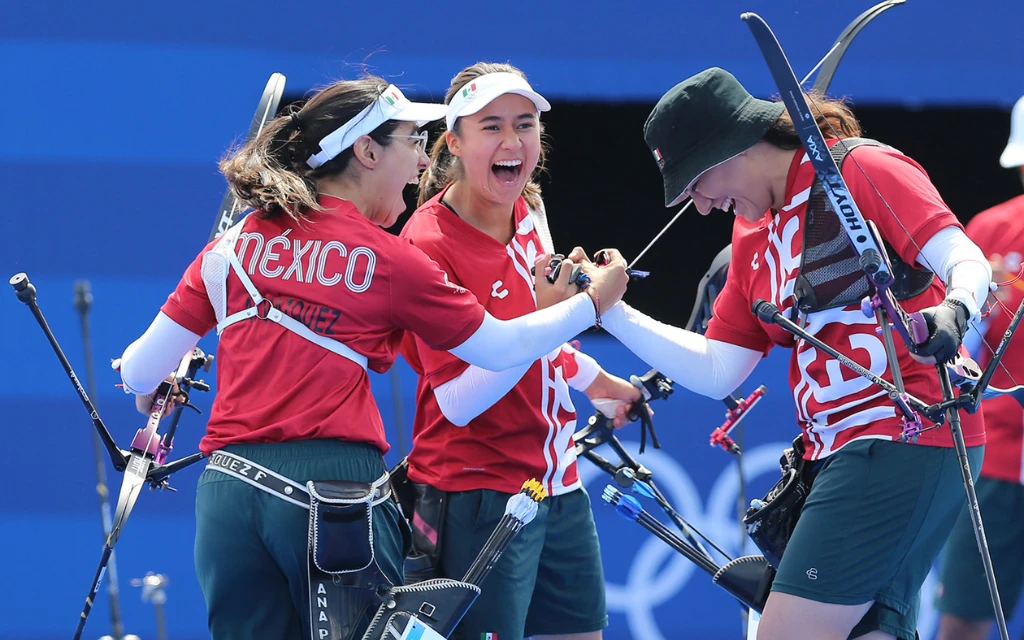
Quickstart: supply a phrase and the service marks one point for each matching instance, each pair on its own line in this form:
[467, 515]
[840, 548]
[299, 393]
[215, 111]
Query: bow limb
[230, 206]
[830, 62]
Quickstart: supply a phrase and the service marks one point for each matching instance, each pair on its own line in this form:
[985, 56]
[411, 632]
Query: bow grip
[918, 328]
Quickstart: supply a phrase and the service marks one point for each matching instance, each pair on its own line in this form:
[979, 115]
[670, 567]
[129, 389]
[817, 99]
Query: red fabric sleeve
[904, 185]
[732, 320]
[424, 301]
[189, 304]
[438, 366]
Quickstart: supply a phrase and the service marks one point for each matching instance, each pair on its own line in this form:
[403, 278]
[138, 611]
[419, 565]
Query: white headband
[477, 94]
[391, 105]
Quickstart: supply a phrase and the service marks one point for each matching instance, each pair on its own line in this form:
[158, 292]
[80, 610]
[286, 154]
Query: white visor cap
[1013, 154]
[477, 94]
[391, 105]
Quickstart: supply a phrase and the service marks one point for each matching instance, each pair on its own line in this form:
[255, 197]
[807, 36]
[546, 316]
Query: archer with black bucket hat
[879, 510]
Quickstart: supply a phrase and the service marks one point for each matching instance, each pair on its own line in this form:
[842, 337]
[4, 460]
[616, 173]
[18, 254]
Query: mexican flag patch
[488, 636]
[466, 93]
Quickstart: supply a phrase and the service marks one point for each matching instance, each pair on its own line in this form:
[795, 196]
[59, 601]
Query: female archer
[879, 509]
[477, 434]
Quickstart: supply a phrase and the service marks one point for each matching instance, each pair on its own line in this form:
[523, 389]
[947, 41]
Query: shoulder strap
[540, 223]
[830, 274]
[215, 265]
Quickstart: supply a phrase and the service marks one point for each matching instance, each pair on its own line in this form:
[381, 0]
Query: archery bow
[144, 462]
[145, 457]
[874, 263]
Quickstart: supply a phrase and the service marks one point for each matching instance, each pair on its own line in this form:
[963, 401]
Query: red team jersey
[526, 434]
[1000, 230]
[343, 277]
[834, 406]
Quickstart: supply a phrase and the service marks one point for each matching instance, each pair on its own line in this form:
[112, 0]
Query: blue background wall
[114, 115]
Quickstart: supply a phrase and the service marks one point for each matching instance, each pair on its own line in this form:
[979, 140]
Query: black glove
[947, 324]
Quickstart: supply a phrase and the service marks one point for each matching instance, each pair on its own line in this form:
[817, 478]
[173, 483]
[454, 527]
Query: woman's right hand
[609, 278]
[549, 294]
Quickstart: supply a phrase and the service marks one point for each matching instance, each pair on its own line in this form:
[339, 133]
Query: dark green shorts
[549, 580]
[963, 590]
[250, 547]
[874, 522]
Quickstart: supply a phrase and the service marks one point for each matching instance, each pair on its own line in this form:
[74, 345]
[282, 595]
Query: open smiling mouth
[507, 171]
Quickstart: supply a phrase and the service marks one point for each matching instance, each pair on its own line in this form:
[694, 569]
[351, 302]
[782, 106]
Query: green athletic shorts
[963, 591]
[549, 580]
[250, 549]
[874, 522]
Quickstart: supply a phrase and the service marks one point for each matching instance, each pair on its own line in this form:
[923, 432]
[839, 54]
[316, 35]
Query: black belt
[274, 483]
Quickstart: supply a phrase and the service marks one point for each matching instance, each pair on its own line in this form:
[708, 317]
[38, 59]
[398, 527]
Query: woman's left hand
[144, 404]
[609, 387]
[947, 324]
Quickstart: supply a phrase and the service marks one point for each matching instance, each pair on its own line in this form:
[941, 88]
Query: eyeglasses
[420, 138]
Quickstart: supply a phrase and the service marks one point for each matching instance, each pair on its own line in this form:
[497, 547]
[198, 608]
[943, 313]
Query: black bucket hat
[701, 122]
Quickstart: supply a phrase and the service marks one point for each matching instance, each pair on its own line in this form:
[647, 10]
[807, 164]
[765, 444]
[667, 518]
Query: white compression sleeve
[961, 265]
[155, 355]
[709, 367]
[474, 391]
[502, 344]
[587, 368]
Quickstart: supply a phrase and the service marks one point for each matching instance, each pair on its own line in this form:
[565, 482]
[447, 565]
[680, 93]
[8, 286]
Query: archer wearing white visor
[478, 435]
[484, 112]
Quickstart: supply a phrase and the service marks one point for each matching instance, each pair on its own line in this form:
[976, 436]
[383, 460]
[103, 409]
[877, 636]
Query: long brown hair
[832, 115]
[444, 167]
[270, 173]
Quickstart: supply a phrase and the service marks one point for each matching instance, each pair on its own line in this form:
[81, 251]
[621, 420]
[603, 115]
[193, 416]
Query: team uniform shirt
[344, 278]
[1000, 230]
[835, 406]
[528, 432]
